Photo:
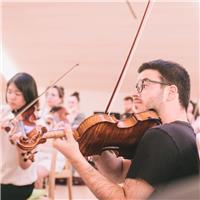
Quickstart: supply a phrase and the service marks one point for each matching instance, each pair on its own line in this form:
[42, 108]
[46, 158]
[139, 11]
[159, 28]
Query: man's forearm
[113, 167]
[98, 184]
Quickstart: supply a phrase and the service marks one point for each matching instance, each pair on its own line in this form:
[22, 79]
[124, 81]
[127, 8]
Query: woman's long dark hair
[27, 85]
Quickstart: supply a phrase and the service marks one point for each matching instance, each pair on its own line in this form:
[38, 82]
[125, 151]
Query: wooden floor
[78, 192]
[61, 193]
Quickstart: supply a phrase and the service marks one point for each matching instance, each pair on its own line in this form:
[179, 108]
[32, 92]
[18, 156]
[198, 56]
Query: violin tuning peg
[23, 154]
[31, 158]
[12, 142]
[7, 129]
[44, 129]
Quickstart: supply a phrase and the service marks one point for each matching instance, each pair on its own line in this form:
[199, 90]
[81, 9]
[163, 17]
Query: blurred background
[45, 38]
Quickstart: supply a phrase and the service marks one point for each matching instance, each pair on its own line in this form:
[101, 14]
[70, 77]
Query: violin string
[22, 129]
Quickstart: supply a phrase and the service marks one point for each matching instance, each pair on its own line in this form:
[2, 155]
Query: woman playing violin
[17, 173]
[164, 154]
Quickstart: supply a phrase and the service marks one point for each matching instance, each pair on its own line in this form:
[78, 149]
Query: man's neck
[176, 113]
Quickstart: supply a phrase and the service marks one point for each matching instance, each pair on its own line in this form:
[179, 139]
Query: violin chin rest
[114, 149]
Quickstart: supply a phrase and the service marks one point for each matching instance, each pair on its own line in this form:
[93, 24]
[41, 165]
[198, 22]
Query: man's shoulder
[173, 128]
[178, 132]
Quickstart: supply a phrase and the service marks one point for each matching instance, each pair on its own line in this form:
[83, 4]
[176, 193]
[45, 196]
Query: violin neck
[55, 134]
[59, 134]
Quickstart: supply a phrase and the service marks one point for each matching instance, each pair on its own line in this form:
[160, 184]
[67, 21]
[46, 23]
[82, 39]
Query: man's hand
[68, 146]
[110, 165]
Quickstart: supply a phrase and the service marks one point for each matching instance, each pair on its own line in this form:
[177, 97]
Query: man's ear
[171, 92]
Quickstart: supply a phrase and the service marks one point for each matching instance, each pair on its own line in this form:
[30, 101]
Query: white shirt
[11, 172]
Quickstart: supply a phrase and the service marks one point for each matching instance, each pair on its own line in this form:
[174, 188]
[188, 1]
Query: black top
[165, 153]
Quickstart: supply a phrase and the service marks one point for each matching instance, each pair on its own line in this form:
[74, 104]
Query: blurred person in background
[75, 118]
[53, 116]
[128, 107]
[194, 119]
[75, 115]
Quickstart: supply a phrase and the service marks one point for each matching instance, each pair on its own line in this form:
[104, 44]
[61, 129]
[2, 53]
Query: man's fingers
[69, 133]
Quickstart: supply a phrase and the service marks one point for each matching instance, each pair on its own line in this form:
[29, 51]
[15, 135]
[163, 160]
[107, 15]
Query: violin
[61, 111]
[39, 135]
[25, 121]
[57, 114]
[28, 118]
[101, 132]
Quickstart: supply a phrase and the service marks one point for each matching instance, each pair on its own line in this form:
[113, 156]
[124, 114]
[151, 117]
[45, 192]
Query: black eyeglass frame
[141, 82]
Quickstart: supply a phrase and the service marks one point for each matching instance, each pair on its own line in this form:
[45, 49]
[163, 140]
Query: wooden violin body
[102, 131]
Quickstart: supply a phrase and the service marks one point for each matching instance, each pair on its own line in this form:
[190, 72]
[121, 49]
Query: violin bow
[50, 86]
[131, 9]
[127, 59]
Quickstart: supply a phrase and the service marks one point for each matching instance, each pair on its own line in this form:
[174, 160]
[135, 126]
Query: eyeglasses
[141, 84]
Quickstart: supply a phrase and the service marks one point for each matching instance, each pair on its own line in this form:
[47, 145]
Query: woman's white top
[11, 172]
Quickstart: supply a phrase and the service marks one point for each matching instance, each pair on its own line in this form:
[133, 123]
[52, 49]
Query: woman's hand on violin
[9, 125]
[68, 146]
[14, 138]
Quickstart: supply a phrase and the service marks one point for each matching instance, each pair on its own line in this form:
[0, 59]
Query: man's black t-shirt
[166, 153]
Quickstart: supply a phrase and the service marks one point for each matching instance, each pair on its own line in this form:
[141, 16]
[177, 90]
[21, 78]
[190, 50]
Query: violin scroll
[36, 137]
[33, 138]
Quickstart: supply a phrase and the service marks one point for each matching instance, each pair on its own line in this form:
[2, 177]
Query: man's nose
[136, 94]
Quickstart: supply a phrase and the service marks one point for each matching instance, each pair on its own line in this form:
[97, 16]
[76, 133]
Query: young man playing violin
[165, 153]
